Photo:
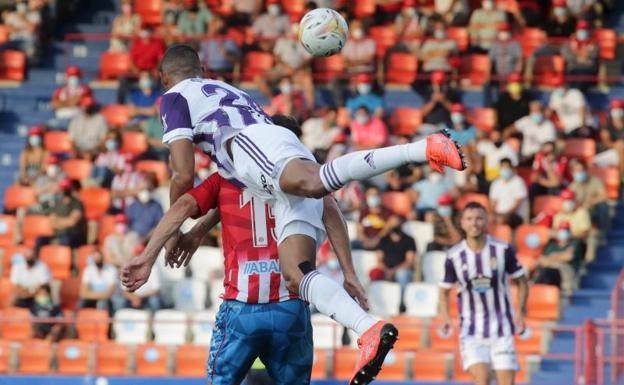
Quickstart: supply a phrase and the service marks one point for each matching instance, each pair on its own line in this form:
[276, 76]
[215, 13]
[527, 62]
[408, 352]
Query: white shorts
[499, 352]
[260, 152]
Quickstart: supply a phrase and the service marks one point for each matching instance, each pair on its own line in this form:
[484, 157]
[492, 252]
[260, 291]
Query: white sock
[362, 165]
[332, 300]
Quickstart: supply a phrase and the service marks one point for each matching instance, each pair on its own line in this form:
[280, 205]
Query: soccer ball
[323, 32]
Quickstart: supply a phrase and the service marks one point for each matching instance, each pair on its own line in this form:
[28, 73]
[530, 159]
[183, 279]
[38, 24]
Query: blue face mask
[111, 145]
[563, 235]
[582, 34]
[537, 117]
[373, 201]
[506, 173]
[580, 176]
[457, 118]
[445, 211]
[34, 140]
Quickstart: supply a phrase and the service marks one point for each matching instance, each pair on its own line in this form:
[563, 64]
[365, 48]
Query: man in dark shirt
[440, 97]
[513, 104]
[375, 221]
[562, 23]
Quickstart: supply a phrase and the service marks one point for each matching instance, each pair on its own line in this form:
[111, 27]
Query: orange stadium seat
[326, 69]
[134, 142]
[461, 37]
[610, 176]
[12, 65]
[319, 366]
[464, 199]
[4, 34]
[111, 359]
[17, 325]
[531, 344]
[57, 142]
[429, 366]
[411, 333]
[83, 254]
[384, 36]
[5, 356]
[398, 202]
[364, 8]
[294, 8]
[256, 63]
[483, 119]
[531, 239]
[58, 259]
[580, 148]
[70, 294]
[190, 360]
[34, 357]
[151, 11]
[438, 342]
[401, 68]
[543, 303]
[11, 252]
[77, 169]
[151, 360]
[113, 65]
[6, 293]
[7, 230]
[116, 115]
[35, 226]
[106, 226]
[394, 367]
[96, 201]
[344, 363]
[73, 357]
[607, 42]
[159, 168]
[502, 232]
[405, 120]
[530, 39]
[459, 374]
[92, 325]
[19, 196]
[548, 71]
[474, 69]
[541, 202]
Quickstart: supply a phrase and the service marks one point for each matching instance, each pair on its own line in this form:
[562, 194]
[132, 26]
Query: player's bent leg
[301, 177]
[505, 377]
[480, 373]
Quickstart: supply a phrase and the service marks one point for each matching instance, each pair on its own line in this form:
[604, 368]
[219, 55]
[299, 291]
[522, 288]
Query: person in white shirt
[494, 151]
[28, 274]
[509, 196]
[571, 108]
[98, 283]
[535, 129]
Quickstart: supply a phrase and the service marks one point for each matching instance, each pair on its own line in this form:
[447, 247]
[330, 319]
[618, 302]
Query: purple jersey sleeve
[450, 277]
[512, 266]
[176, 118]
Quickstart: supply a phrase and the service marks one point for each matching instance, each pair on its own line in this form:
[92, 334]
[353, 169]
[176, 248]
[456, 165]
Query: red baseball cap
[121, 218]
[504, 26]
[52, 160]
[87, 101]
[73, 71]
[66, 184]
[438, 77]
[514, 77]
[363, 78]
[559, 3]
[409, 3]
[616, 103]
[457, 107]
[565, 225]
[35, 130]
[445, 200]
[273, 2]
[582, 24]
[567, 194]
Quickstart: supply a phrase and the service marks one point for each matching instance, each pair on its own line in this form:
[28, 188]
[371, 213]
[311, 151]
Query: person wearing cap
[375, 221]
[270, 25]
[435, 52]
[98, 282]
[461, 131]
[581, 56]
[535, 129]
[365, 97]
[591, 194]
[560, 261]
[119, 245]
[548, 171]
[359, 51]
[569, 106]
[613, 131]
[32, 157]
[445, 233]
[88, 129]
[576, 215]
[28, 273]
[437, 109]
[66, 100]
[505, 54]
[484, 24]
[512, 104]
[509, 196]
[125, 25]
[47, 185]
[561, 23]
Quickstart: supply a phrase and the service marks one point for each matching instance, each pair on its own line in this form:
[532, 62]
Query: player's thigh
[297, 255]
[505, 377]
[301, 177]
[503, 353]
[480, 373]
[475, 352]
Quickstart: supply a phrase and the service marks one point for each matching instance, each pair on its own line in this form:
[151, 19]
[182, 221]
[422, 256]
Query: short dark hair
[473, 206]
[288, 122]
[181, 60]
[506, 161]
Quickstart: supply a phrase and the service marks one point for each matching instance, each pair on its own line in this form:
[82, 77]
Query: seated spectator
[509, 196]
[270, 25]
[409, 25]
[142, 103]
[23, 25]
[145, 54]
[359, 51]
[535, 129]
[243, 12]
[445, 233]
[548, 171]
[119, 246]
[437, 49]
[560, 261]
[174, 7]
[461, 131]
[289, 101]
[513, 104]
[88, 130]
[591, 194]
[319, 132]
[99, 280]
[125, 186]
[437, 110]
[168, 30]
[44, 307]
[367, 131]
[365, 97]
[561, 22]
[27, 276]
[396, 257]
[146, 297]
[194, 20]
[493, 152]
[153, 130]
[581, 56]
[32, 157]
[484, 23]
[67, 219]
[144, 213]
[453, 12]
[582, 9]
[220, 53]
[66, 100]
[569, 108]
[577, 216]
[505, 54]
[47, 186]
[375, 221]
[109, 162]
[125, 26]
[611, 142]
[426, 192]
[349, 199]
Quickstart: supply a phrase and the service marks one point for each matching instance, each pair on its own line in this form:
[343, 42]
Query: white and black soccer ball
[323, 32]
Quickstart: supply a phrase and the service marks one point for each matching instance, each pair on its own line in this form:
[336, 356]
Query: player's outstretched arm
[136, 271]
[187, 245]
[339, 238]
[523, 295]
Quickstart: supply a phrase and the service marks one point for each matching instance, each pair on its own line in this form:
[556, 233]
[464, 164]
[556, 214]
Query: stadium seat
[12, 255]
[34, 357]
[4, 34]
[580, 148]
[531, 239]
[401, 68]
[151, 360]
[73, 357]
[7, 230]
[384, 298]
[92, 325]
[206, 261]
[83, 255]
[116, 115]
[364, 8]
[411, 333]
[215, 289]
[364, 261]
[394, 367]
[35, 226]
[548, 71]
[19, 196]
[131, 326]
[430, 366]
[384, 36]
[525, 172]
[133, 143]
[190, 360]
[433, 266]
[421, 299]
[405, 120]
[157, 167]
[114, 64]
[5, 356]
[441, 343]
[459, 374]
[256, 63]
[189, 295]
[201, 327]
[531, 344]
[12, 65]
[464, 199]
[151, 11]
[111, 359]
[106, 226]
[77, 169]
[502, 232]
[326, 333]
[96, 201]
[531, 39]
[58, 259]
[474, 69]
[57, 142]
[610, 176]
[543, 303]
[326, 69]
[319, 364]
[541, 202]
[460, 36]
[422, 232]
[170, 327]
[344, 363]
[398, 202]
[70, 294]
[294, 8]
[17, 324]
[607, 42]
[483, 119]
[6, 294]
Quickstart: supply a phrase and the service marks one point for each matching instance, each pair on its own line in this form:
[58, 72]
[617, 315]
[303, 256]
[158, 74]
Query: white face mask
[559, 92]
[143, 196]
[560, 11]
[357, 33]
[582, 34]
[488, 5]
[22, 8]
[439, 34]
[145, 83]
[285, 88]
[457, 118]
[362, 119]
[73, 81]
[504, 35]
[52, 171]
[617, 113]
[435, 177]
[274, 9]
[568, 205]
[144, 34]
[410, 12]
[363, 88]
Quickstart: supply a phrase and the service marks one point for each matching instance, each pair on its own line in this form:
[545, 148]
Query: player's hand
[353, 286]
[445, 327]
[520, 323]
[181, 254]
[171, 245]
[135, 273]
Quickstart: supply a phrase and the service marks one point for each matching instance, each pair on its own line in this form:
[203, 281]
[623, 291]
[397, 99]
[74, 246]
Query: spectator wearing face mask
[484, 23]
[289, 101]
[32, 158]
[410, 24]
[367, 131]
[142, 104]
[98, 283]
[570, 109]
[591, 194]
[119, 245]
[549, 170]
[66, 100]
[509, 196]
[535, 129]
[125, 188]
[365, 97]
[375, 221]
[23, 26]
[319, 132]
[436, 51]
[44, 307]
[493, 152]
[194, 20]
[453, 12]
[461, 131]
[445, 233]
[426, 192]
[576, 215]
[219, 54]
[440, 97]
[512, 104]
[505, 54]
[561, 22]
[47, 185]
[125, 26]
[611, 145]
[582, 9]
[581, 57]
[28, 274]
[270, 25]
[359, 51]
[87, 130]
[145, 212]
[110, 161]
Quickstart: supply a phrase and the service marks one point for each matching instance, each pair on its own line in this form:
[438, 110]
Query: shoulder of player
[455, 250]
[497, 242]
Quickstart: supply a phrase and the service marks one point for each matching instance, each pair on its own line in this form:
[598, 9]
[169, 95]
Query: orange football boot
[444, 151]
[374, 345]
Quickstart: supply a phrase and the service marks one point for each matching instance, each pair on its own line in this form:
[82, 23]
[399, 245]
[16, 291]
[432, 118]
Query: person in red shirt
[66, 100]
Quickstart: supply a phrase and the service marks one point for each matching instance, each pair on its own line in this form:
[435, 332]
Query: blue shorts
[279, 333]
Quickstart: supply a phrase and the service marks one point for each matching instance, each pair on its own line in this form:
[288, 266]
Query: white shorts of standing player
[498, 352]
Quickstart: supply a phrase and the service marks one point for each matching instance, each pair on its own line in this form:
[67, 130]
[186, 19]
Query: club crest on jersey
[261, 267]
[369, 159]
